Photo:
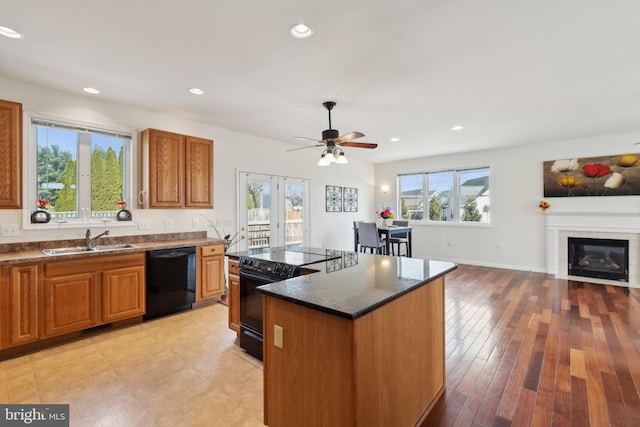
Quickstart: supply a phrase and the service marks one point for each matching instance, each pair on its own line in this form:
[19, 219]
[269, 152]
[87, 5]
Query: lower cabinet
[69, 303]
[123, 293]
[211, 262]
[19, 305]
[78, 294]
[233, 297]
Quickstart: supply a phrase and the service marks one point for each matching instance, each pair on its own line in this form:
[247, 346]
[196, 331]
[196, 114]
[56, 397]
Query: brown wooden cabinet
[69, 303]
[10, 155]
[176, 170]
[233, 295]
[19, 305]
[211, 272]
[81, 293]
[123, 293]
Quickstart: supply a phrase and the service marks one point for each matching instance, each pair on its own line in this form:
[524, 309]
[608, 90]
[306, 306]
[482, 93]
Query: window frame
[30, 173]
[456, 197]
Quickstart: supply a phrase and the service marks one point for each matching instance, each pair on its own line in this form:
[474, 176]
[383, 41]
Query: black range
[262, 267]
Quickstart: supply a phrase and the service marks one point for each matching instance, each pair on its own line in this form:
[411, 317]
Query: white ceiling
[510, 71]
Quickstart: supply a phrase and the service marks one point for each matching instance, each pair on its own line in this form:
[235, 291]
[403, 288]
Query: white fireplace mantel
[561, 225]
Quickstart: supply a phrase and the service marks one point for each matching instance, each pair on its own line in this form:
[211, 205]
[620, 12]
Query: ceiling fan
[332, 142]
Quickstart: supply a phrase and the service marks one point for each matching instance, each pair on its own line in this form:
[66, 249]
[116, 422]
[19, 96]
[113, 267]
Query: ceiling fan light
[330, 157]
[342, 159]
[323, 160]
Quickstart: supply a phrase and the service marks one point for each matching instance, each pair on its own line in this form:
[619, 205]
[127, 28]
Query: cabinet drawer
[212, 250]
[233, 267]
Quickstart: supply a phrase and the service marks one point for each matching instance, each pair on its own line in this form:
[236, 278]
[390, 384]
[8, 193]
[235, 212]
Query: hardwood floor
[523, 349]
[526, 349]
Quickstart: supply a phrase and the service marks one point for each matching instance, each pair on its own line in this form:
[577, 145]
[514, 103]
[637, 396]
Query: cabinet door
[69, 303]
[123, 293]
[199, 172]
[212, 283]
[233, 300]
[23, 304]
[10, 154]
[166, 168]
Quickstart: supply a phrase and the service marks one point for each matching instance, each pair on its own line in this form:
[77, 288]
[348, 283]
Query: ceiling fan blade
[358, 144]
[302, 148]
[349, 137]
[302, 138]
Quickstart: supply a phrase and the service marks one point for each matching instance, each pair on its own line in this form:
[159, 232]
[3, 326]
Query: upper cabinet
[176, 170]
[10, 155]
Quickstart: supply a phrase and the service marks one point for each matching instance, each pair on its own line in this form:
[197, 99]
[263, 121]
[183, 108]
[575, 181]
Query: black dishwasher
[171, 281]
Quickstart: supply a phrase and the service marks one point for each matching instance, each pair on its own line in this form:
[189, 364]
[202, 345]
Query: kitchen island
[359, 343]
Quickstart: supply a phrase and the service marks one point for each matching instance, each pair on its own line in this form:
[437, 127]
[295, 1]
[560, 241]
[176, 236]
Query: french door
[273, 211]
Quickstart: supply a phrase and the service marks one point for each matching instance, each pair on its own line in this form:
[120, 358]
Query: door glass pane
[474, 195]
[258, 214]
[440, 190]
[57, 176]
[294, 214]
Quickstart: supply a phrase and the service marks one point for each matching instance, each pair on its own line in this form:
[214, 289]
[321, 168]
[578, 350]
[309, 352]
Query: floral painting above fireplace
[593, 176]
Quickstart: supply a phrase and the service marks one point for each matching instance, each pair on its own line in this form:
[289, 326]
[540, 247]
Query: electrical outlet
[168, 223]
[10, 230]
[195, 223]
[143, 224]
[278, 336]
[219, 222]
[228, 222]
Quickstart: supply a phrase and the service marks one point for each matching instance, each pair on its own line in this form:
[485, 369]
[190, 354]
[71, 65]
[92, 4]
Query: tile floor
[180, 370]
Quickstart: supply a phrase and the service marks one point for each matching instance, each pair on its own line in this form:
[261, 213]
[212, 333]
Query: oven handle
[257, 276]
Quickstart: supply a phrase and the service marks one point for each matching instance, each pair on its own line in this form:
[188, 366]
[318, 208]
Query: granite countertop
[357, 283]
[32, 251]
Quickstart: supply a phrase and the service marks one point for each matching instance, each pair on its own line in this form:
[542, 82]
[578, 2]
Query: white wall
[517, 237]
[233, 151]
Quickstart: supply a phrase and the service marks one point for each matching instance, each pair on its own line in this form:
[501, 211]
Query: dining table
[387, 231]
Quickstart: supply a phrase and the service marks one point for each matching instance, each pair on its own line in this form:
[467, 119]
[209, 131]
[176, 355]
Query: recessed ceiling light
[91, 90]
[11, 33]
[457, 127]
[301, 31]
[394, 139]
[196, 91]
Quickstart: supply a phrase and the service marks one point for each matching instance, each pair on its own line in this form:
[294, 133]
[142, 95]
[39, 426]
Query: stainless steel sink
[83, 249]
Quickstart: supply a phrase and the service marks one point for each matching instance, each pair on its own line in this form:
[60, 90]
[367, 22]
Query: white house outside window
[449, 196]
[81, 172]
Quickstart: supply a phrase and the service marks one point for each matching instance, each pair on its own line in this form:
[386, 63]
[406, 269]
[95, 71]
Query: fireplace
[598, 258]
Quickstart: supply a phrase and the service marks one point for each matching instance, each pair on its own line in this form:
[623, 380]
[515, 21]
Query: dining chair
[370, 239]
[400, 239]
[356, 234]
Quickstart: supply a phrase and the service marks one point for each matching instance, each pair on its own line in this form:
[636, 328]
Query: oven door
[251, 311]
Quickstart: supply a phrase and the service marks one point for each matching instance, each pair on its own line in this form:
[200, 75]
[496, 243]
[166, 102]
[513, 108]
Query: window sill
[54, 225]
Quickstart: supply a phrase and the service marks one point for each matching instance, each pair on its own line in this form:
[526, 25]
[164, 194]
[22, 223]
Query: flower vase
[40, 216]
[384, 222]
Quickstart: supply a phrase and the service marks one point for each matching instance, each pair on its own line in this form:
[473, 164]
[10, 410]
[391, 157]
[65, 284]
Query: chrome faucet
[91, 241]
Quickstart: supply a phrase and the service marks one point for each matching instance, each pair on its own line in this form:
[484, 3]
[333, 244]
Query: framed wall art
[334, 198]
[350, 199]
[593, 176]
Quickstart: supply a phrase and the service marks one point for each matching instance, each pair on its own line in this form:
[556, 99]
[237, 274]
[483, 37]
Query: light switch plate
[10, 230]
[168, 223]
[278, 336]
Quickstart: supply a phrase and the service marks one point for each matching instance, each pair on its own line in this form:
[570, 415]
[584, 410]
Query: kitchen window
[461, 196]
[80, 172]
